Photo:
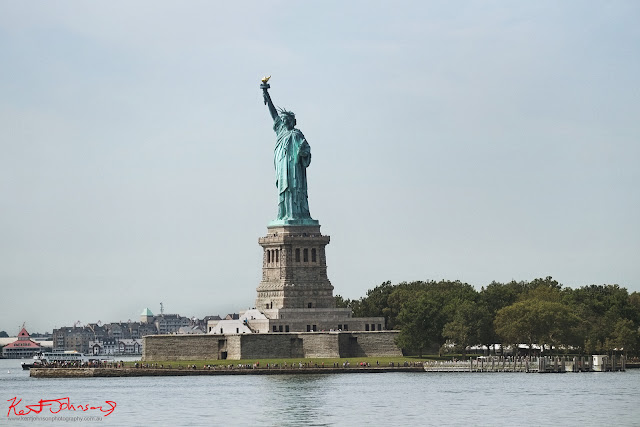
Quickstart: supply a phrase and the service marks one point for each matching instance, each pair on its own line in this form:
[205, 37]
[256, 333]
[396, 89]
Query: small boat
[27, 366]
[42, 359]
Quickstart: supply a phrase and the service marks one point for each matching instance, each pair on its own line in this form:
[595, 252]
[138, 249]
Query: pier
[544, 364]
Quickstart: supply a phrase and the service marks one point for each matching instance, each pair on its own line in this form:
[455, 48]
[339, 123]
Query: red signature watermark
[56, 406]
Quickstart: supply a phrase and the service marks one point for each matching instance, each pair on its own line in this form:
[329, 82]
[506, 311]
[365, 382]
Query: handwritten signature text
[56, 406]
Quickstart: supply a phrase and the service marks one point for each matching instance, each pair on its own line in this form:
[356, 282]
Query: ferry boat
[56, 356]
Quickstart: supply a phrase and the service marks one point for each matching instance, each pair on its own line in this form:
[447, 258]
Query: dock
[544, 364]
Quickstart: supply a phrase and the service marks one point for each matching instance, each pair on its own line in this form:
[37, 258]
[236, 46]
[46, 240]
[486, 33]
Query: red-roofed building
[22, 348]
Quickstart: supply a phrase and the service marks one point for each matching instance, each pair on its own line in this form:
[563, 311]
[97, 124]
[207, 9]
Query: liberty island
[295, 313]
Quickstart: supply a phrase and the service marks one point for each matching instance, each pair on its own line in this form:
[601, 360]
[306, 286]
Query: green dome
[146, 312]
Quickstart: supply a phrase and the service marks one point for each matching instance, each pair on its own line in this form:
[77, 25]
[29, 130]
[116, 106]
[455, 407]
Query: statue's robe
[291, 157]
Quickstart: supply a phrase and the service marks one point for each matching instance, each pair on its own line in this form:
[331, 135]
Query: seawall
[173, 372]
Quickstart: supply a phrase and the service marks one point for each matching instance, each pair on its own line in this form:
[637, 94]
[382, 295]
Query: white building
[250, 321]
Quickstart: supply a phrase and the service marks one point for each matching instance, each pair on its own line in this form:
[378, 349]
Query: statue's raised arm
[267, 99]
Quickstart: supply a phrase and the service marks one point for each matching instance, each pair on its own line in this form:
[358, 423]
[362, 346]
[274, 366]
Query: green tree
[375, 303]
[513, 324]
[441, 300]
[341, 302]
[548, 282]
[419, 319]
[592, 318]
[396, 301]
[601, 307]
[470, 325]
[497, 295]
[625, 336]
[543, 293]
[535, 321]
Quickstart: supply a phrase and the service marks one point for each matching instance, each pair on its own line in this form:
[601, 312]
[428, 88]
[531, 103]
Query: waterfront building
[22, 348]
[104, 347]
[130, 330]
[130, 346]
[146, 316]
[83, 338]
[206, 319]
[75, 338]
[116, 347]
[170, 323]
[239, 323]
[192, 329]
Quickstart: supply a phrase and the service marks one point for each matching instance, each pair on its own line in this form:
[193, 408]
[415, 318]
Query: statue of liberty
[291, 157]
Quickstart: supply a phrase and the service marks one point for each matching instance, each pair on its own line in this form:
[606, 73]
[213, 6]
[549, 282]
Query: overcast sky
[476, 141]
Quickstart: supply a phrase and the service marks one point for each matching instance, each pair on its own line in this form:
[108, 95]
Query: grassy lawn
[373, 361]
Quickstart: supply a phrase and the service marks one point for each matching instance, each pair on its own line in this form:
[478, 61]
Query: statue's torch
[264, 86]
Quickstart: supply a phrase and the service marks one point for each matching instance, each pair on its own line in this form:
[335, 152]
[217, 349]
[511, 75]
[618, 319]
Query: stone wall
[321, 345]
[270, 346]
[180, 347]
[234, 347]
[369, 344]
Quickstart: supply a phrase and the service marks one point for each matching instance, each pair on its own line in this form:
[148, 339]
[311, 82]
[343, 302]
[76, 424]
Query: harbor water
[372, 399]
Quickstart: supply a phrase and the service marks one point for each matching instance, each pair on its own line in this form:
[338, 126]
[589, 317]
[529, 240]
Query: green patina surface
[303, 221]
[291, 157]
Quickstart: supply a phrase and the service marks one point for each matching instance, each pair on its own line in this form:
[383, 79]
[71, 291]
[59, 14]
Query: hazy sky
[463, 140]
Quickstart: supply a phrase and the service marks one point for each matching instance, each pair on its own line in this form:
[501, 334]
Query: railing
[542, 364]
[486, 364]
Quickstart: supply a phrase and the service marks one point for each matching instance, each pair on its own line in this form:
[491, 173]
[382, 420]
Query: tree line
[432, 315]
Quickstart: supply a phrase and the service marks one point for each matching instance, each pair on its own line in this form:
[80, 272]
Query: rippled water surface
[576, 399]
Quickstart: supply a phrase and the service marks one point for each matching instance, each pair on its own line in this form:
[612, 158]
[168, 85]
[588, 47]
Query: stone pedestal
[295, 294]
[294, 269]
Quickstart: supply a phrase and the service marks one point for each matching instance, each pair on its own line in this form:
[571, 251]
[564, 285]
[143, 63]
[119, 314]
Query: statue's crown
[284, 112]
